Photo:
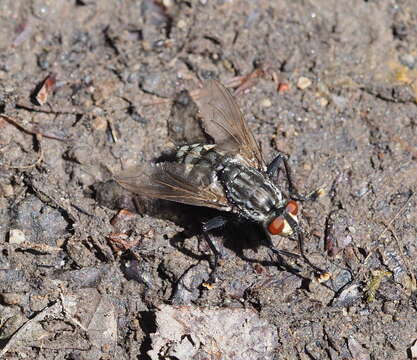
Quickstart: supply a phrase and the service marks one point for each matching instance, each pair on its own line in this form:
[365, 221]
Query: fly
[229, 175]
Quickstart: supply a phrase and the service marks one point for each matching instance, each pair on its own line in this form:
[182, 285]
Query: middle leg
[212, 224]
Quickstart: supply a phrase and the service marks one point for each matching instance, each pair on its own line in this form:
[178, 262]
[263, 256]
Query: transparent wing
[176, 182]
[224, 122]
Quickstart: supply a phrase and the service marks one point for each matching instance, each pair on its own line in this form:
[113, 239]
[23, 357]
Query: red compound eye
[276, 226]
[292, 207]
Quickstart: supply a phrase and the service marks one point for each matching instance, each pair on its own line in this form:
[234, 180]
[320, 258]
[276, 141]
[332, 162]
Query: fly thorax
[250, 190]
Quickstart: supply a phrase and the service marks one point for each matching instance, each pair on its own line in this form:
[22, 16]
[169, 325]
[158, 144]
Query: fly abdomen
[201, 154]
[200, 162]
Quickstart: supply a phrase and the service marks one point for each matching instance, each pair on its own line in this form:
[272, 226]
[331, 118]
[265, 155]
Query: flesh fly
[229, 175]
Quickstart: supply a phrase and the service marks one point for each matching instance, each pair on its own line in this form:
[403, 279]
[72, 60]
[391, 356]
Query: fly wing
[224, 122]
[176, 182]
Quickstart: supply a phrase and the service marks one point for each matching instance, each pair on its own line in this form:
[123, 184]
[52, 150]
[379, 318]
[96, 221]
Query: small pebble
[307, 166]
[320, 192]
[283, 87]
[389, 307]
[7, 190]
[167, 3]
[11, 298]
[413, 350]
[16, 236]
[106, 348]
[97, 111]
[324, 277]
[41, 9]
[352, 229]
[266, 103]
[408, 60]
[100, 123]
[181, 24]
[38, 38]
[340, 101]
[323, 102]
[303, 83]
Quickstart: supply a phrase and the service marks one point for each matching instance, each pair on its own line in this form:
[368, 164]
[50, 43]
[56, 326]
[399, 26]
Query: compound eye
[292, 207]
[276, 226]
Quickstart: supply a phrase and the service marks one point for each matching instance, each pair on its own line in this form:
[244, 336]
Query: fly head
[284, 221]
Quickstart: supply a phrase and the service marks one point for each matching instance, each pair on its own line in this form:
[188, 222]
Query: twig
[158, 102]
[37, 162]
[21, 333]
[44, 111]
[112, 132]
[68, 314]
[32, 131]
[40, 248]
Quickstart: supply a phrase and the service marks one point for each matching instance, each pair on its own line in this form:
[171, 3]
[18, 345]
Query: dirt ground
[332, 83]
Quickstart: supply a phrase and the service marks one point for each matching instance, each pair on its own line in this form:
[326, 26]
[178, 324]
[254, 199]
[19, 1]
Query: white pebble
[303, 83]
[266, 103]
[323, 102]
[16, 236]
[181, 24]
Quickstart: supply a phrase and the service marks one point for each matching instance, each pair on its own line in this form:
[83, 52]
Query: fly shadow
[237, 235]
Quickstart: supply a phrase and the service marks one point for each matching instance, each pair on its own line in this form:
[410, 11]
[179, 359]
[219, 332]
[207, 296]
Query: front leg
[300, 239]
[274, 168]
[213, 224]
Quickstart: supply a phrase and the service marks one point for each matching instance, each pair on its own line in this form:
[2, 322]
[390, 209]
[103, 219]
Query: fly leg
[300, 237]
[213, 224]
[274, 168]
[280, 254]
